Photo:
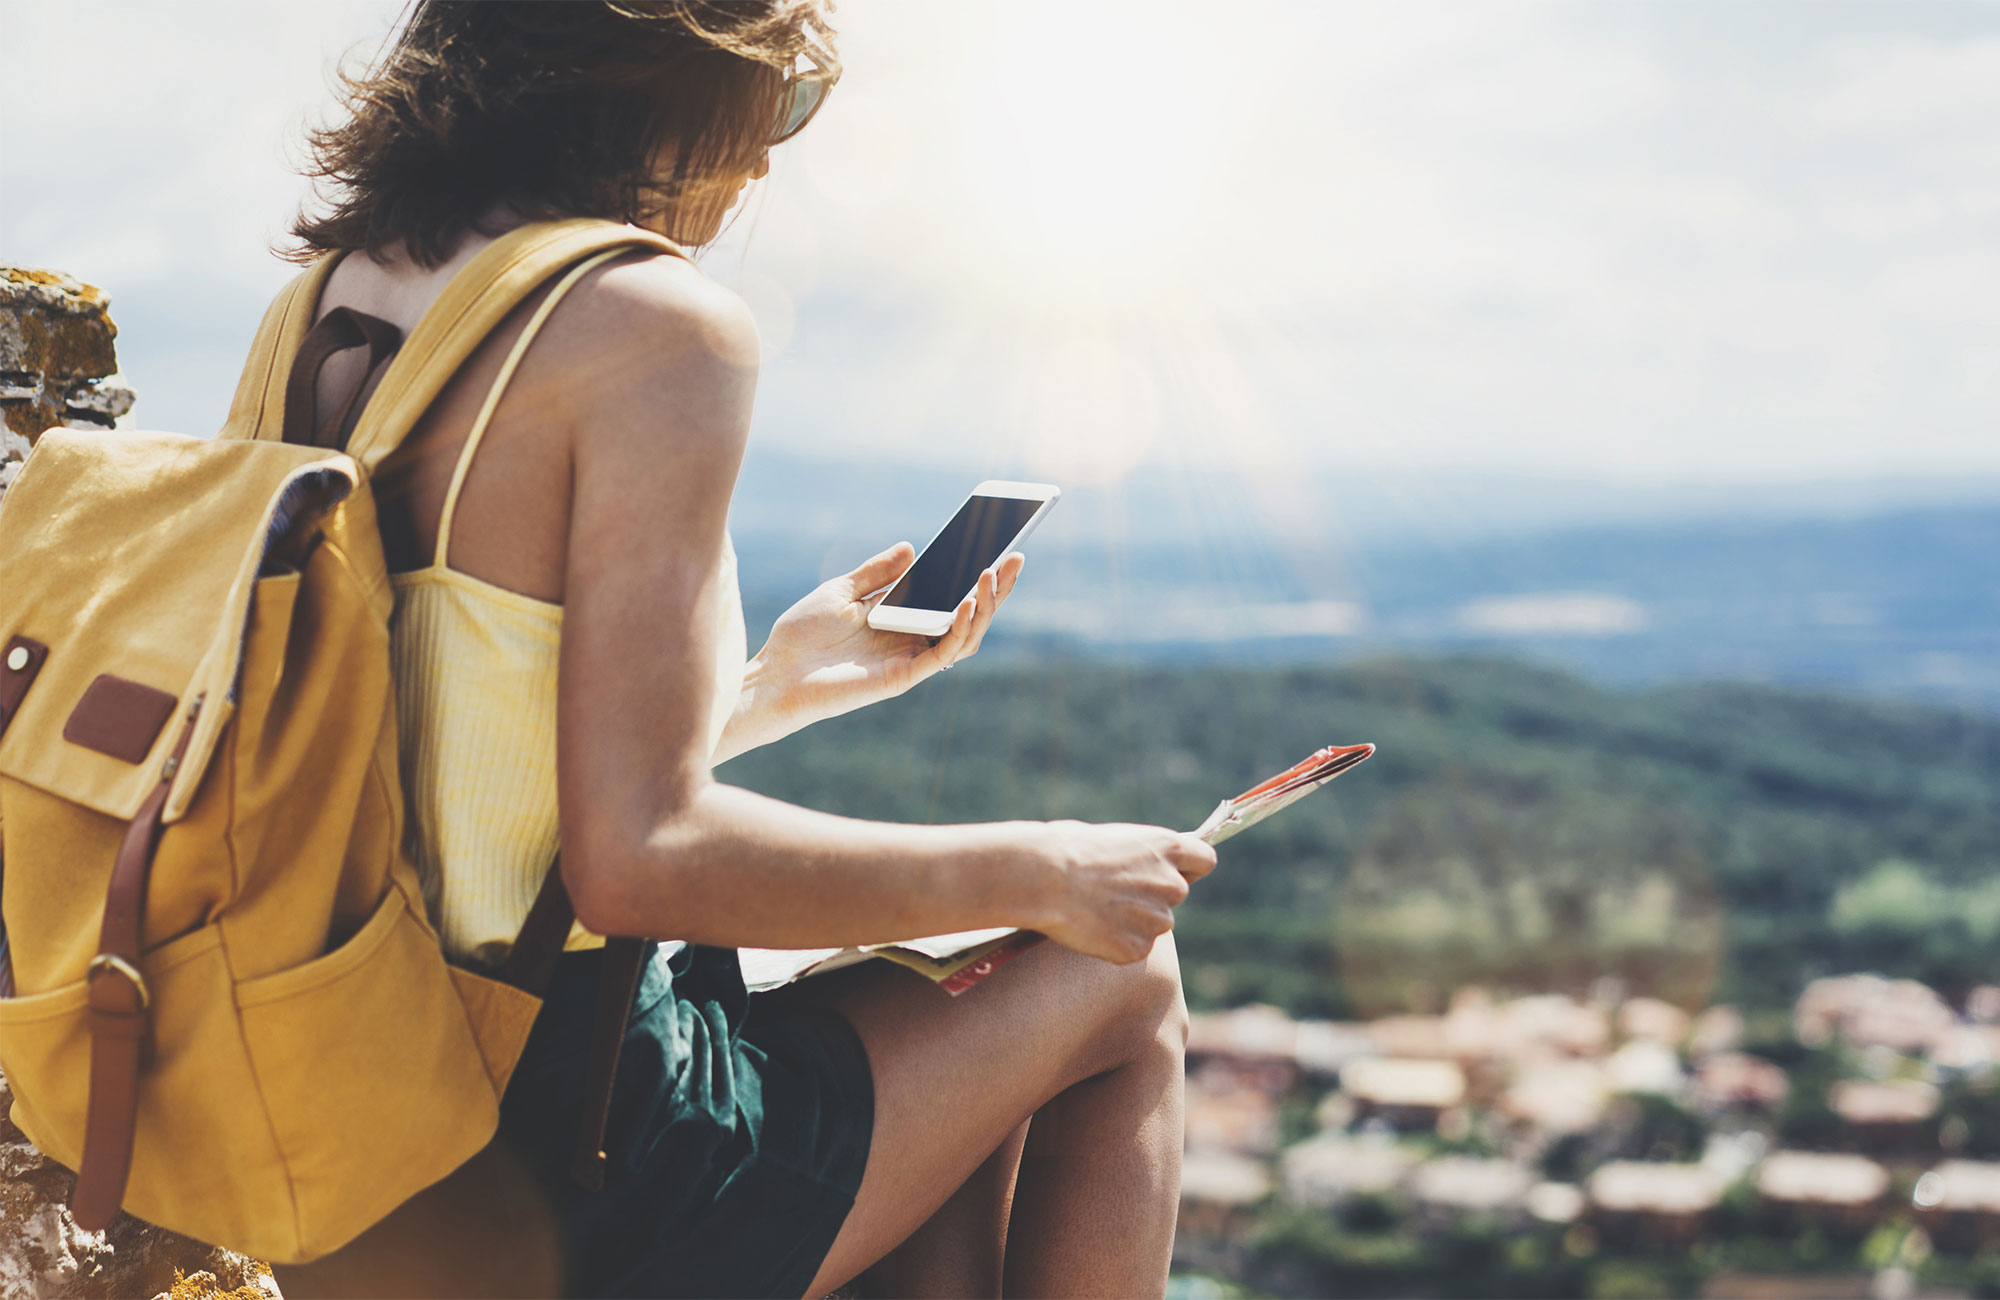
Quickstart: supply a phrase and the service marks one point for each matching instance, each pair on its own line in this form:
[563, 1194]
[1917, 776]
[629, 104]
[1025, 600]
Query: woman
[577, 569]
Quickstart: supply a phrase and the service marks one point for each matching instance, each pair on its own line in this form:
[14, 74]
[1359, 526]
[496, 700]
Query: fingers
[994, 585]
[986, 598]
[881, 570]
[1010, 572]
[973, 615]
[949, 648]
[1191, 856]
[1141, 931]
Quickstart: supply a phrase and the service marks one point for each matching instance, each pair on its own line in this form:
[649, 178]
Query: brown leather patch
[19, 663]
[118, 717]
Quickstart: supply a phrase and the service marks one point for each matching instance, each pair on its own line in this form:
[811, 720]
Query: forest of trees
[1518, 827]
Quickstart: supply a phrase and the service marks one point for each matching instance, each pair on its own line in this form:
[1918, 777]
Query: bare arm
[824, 660]
[651, 843]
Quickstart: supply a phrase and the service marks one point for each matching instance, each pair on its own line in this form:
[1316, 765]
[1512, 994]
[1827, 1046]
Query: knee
[1154, 1018]
[1163, 969]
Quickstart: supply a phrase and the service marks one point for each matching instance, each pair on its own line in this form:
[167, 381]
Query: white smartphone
[994, 520]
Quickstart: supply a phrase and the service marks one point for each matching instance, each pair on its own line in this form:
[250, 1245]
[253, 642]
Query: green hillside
[1519, 827]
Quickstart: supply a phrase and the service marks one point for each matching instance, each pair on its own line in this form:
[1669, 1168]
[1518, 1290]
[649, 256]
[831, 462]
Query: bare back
[513, 517]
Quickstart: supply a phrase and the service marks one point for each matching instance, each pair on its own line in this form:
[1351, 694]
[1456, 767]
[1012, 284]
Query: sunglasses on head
[801, 97]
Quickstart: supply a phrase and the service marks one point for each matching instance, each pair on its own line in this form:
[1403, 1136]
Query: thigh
[954, 1077]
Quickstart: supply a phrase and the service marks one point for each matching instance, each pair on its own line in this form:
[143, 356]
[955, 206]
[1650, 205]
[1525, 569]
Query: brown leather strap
[530, 967]
[532, 962]
[618, 982]
[341, 329]
[119, 1006]
[6, 950]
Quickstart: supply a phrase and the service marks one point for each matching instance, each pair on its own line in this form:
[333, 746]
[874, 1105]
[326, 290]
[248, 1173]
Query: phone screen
[973, 541]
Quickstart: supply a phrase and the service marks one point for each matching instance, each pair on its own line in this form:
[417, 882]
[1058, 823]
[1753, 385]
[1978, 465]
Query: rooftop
[1958, 1186]
[1471, 1183]
[1388, 1081]
[1889, 1101]
[1813, 1177]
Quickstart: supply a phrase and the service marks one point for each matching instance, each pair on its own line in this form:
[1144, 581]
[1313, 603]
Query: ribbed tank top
[475, 673]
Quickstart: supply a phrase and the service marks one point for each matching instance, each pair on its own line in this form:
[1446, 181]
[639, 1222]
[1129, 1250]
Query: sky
[1695, 243]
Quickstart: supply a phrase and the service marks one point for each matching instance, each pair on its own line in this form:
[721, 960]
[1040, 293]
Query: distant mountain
[1518, 827]
[1835, 586]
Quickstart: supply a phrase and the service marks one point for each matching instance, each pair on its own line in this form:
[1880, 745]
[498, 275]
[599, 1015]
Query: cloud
[1631, 241]
[1168, 621]
[1522, 238]
[1553, 613]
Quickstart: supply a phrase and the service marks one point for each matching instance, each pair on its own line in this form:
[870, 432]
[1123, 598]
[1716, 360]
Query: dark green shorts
[737, 1134]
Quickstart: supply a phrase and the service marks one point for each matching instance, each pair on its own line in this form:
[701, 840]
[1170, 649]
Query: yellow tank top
[475, 673]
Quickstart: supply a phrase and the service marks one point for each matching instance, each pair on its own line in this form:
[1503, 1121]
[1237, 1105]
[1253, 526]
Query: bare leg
[961, 1250]
[955, 1078]
[1076, 1194]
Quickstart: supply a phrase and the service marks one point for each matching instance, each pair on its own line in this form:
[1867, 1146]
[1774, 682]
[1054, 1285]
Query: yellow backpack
[221, 1000]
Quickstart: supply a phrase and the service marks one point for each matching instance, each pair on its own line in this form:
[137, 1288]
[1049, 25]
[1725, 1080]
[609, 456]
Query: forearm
[764, 712]
[734, 868]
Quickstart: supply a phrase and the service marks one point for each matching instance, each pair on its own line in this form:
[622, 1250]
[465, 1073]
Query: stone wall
[58, 367]
[43, 1253]
[58, 363]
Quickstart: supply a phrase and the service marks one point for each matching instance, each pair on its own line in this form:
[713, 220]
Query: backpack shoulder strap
[476, 300]
[284, 327]
[548, 304]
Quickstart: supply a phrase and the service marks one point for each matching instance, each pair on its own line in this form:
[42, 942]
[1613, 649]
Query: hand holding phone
[995, 519]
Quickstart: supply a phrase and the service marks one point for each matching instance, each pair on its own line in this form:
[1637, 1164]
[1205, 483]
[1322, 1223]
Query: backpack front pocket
[195, 1159]
[371, 1075]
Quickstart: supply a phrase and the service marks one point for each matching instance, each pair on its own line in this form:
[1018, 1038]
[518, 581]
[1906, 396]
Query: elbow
[596, 892]
[623, 874]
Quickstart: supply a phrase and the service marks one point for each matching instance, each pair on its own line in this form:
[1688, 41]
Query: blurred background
[1591, 404]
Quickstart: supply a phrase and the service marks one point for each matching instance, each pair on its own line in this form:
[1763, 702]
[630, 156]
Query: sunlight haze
[1633, 242]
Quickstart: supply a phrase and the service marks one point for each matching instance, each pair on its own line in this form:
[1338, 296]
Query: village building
[1982, 1004]
[1554, 1022]
[1652, 1204]
[1408, 1095]
[1716, 1029]
[1451, 1188]
[1222, 1113]
[1325, 1047]
[1265, 1043]
[1472, 1031]
[1645, 1065]
[1731, 1154]
[1839, 1192]
[1250, 1034]
[1557, 1202]
[1958, 1204]
[1327, 1171]
[1420, 1037]
[1651, 1018]
[1252, 1045]
[1885, 1117]
[1335, 1111]
[1966, 1051]
[1557, 1098]
[1219, 1196]
[1727, 1081]
[1903, 1016]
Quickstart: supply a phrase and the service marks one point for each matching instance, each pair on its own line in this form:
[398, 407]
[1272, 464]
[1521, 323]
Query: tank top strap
[493, 395]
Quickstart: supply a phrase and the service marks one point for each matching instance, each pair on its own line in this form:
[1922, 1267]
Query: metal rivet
[17, 658]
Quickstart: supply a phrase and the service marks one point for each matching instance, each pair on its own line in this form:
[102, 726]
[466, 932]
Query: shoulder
[661, 308]
[650, 367]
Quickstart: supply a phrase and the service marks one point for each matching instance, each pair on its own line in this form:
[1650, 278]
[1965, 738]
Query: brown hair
[553, 108]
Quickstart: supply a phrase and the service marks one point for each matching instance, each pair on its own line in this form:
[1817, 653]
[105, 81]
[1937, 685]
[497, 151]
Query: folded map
[955, 962]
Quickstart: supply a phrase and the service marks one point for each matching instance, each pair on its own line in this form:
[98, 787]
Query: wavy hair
[551, 108]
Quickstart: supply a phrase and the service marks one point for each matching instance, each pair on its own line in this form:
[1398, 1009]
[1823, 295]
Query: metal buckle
[113, 962]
